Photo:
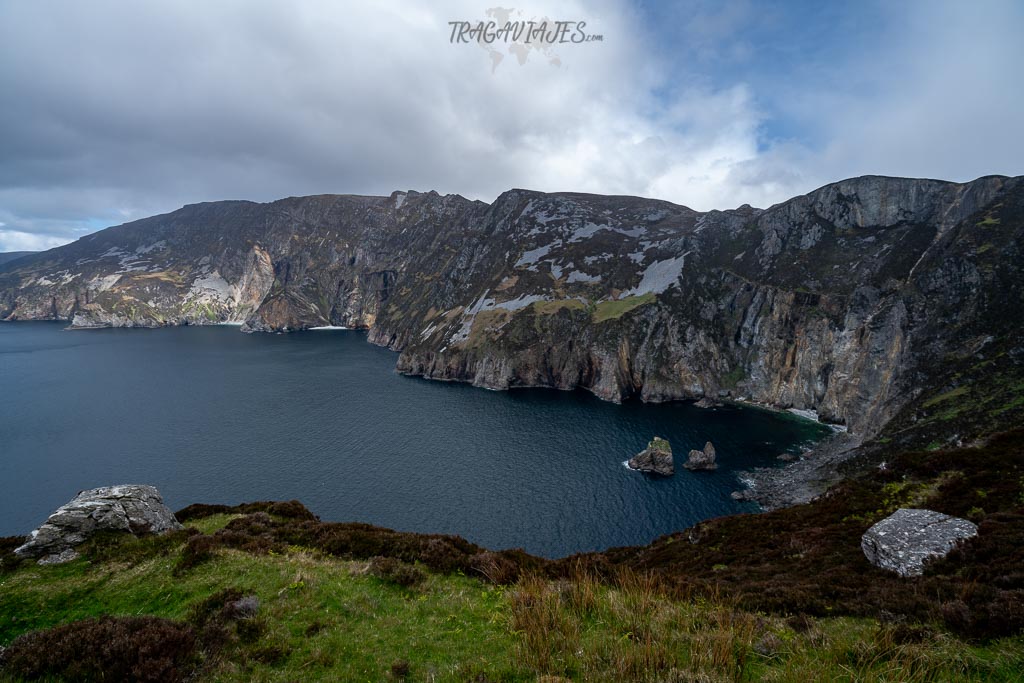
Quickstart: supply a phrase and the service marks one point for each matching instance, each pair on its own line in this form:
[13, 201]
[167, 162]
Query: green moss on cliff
[733, 377]
[959, 391]
[616, 308]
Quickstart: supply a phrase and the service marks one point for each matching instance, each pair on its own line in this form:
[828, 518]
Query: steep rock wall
[844, 301]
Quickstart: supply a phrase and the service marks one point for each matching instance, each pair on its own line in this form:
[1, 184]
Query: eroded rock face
[134, 509]
[656, 458]
[702, 460]
[846, 301]
[906, 539]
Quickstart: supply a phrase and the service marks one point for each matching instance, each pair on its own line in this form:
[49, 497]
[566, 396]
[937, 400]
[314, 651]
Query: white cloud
[117, 111]
[15, 240]
[946, 100]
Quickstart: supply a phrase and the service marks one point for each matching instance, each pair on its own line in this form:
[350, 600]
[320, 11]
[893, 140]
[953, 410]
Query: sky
[113, 111]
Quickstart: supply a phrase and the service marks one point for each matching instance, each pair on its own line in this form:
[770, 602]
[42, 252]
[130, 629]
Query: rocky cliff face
[845, 301]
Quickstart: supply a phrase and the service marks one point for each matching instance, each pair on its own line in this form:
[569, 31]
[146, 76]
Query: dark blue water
[216, 416]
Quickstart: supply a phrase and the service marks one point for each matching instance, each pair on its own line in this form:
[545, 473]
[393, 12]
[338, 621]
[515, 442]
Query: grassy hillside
[318, 617]
[267, 592]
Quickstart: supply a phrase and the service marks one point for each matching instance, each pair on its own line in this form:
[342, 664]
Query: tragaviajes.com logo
[507, 32]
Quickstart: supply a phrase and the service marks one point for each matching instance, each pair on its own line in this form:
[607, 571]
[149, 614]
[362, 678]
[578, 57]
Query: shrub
[106, 648]
[290, 509]
[397, 572]
[197, 550]
[497, 568]
[8, 560]
[225, 605]
[400, 670]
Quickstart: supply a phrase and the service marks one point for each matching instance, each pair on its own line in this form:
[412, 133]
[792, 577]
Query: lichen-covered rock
[904, 540]
[702, 460]
[656, 458]
[131, 508]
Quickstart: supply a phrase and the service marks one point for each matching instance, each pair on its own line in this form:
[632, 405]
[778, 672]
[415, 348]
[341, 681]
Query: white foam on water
[813, 416]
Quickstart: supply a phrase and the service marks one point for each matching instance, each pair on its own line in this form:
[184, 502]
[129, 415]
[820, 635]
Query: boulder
[708, 403]
[702, 460]
[904, 540]
[130, 508]
[656, 458]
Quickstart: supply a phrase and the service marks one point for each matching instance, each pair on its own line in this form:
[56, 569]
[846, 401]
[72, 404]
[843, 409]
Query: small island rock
[656, 458]
[904, 540]
[702, 460]
[135, 509]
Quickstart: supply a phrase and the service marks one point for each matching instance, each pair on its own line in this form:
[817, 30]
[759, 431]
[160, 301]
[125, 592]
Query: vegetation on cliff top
[304, 615]
[660, 444]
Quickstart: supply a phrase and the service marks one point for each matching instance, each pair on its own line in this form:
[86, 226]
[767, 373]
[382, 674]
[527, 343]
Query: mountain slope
[850, 300]
[11, 255]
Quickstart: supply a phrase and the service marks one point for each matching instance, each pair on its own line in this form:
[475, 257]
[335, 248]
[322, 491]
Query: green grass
[610, 310]
[988, 222]
[212, 523]
[449, 626]
[335, 621]
[660, 444]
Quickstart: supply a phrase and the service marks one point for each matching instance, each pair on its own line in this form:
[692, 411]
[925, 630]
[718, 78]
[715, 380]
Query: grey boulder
[131, 508]
[904, 540]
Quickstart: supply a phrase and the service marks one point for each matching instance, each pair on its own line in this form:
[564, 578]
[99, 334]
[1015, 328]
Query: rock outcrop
[655, 459]
[702, 460]
[906, 539]
[708, 403]
[130, 508]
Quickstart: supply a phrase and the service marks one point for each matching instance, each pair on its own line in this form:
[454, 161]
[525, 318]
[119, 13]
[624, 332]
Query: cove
[207, 414]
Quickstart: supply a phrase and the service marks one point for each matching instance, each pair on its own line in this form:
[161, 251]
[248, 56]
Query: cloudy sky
[111, 111]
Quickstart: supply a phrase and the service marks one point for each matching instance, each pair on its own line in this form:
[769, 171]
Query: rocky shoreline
[800, 481]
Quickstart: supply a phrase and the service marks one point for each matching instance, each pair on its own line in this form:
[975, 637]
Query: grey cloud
[115, 110]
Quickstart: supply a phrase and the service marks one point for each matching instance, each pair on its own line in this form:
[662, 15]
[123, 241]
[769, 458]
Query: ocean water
[208, 414]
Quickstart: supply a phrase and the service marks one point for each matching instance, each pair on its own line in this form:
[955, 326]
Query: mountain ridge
[853, 300]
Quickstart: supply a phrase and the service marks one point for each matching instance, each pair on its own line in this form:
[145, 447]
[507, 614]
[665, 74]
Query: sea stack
[702, 460]
[656, 458]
